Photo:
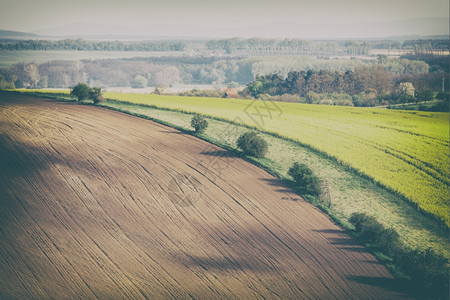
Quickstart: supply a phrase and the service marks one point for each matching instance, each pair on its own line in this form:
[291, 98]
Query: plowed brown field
[99, 204]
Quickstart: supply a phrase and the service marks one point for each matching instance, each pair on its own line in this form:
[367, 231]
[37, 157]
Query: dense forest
[364, 86]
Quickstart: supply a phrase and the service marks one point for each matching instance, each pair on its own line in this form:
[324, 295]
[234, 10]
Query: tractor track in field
[87, 211]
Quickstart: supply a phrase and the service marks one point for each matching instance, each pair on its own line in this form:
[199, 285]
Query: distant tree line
[256, 46]
[386, 44]
[437, 63]
[427, 46]
[84, 45]
[250, 47]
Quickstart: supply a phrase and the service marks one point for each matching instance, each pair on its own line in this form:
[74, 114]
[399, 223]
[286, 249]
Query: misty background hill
[361, 30]
[9, 34]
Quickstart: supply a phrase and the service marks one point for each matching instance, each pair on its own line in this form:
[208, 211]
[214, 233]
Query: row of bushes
[215, 93]
[440, 106]
[363, 99]
[323, 99]
[254, 145]
[427, 270]
[368, 98]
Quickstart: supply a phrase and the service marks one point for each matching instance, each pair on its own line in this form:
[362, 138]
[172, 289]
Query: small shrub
[358, 220]
[388, 239]
[312, 98]
[326, 102]
[287, 98]
[96, 94]
[252, 144]
[344, 103]
[371, 231]
[202, 93]
[305, 179]
[81, 91]
[367, 227]
[199, 123]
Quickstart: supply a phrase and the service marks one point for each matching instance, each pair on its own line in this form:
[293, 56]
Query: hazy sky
[30, 15]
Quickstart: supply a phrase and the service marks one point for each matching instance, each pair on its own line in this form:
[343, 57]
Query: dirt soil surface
[100, 204]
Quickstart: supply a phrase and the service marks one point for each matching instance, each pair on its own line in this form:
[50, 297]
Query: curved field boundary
[359, 138]
[99, 204]
[351, 192]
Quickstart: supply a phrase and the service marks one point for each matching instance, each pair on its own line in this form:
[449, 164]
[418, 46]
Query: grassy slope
[349, 192]
[404, 151]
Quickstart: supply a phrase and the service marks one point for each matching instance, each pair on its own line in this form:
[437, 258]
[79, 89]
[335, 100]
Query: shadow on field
[264, 252]
[283, 187]
[331, 231]
[249, 263]
[250, 250]
[396, 285]
[219, 153]
[355, 249]
[18, 159]
[21, 160]
[340, 238]
[373, 262]
[19, 166]
[176, 132]
[344, 241]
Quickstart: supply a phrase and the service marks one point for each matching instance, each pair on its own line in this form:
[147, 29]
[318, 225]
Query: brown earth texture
[100, 204]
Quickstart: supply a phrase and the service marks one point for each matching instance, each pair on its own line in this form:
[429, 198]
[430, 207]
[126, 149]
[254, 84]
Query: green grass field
[407, 152]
